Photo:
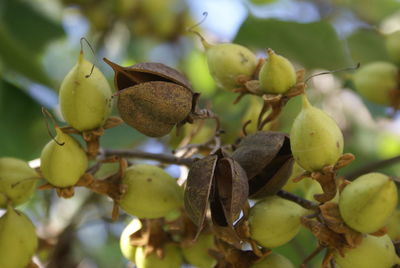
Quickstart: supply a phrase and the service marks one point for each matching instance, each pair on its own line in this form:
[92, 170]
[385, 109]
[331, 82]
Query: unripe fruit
[373, 252]
[252, 112]
[85, 99]
[172, 258]
[375, 80]
[197, 254]
[274, 260]
[393, 226]
[227, 61]
[393, 46]
[63, 165]
[274, 221]
[151, 192]
[367, 203]
[127, 249]
[277, 75]
[315, 139]
[17, 181]
[18, 240]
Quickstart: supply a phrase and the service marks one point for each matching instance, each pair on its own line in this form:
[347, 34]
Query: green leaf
[367, 45]
[314, 45]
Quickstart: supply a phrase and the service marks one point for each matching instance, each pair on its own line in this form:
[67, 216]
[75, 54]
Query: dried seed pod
[273, 260]
[154, 108]
[277, 75]
[18, 240]
[63, 161]
[125, 242]
[172, 258]
[17, 181]
[315, 139]
[367, 203]
[85, 96]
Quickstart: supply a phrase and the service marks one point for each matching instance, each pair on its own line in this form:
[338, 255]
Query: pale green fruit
[301, 187]
[373, 252]
[151, 192]
[85, 101]
[17, 181]
[367, 203]
[274, 260]
[127, 249]
[18, 240]
[197, 253]
[277, 75]
[252, 112]
[172, 258]
[274, 221]
[393, 46]
[315, 139]
[393, 226]
[63, 165]
[227, 61]
[375, 80]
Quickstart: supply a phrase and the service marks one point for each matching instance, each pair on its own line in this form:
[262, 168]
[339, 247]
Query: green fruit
[227, 61]
[151, 192]
[172, 258]
[63, 165]
[197, 253]
[252, 112]
[367, 203]
[17, 181]
[375, 80]
[18, 240]
[274, 221]
[373, 252]
[85, 101]
[315, 139]
[277, 75]
[393, 46]
[274, 260]
[127, 249]
[393, 226]
[301, 187]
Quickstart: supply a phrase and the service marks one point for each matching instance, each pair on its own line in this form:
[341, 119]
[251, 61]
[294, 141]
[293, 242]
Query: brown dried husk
[154, 108]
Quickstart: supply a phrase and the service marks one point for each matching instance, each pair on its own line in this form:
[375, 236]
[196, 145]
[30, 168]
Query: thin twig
[164, 158]
[307, 204]
[370, 167]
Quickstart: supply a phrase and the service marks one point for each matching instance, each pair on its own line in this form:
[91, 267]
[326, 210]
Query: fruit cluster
[207, 220]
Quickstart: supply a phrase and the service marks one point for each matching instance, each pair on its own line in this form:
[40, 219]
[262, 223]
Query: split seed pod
[267, 160]
[153, 97]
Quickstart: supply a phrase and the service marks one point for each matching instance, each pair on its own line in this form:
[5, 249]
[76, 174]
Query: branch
[307, 204]
[370, 167]
[164, 158]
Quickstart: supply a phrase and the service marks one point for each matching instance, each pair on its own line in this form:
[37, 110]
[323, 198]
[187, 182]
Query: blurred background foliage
[39, 43]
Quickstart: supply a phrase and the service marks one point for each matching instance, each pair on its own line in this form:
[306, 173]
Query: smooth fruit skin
[151, 192]
[274, 260]
[367, 203]
[85, 102]
[172, 258]
[277, 75]
[274, 221]
[63, 165]
[227, 61]
[315, 139]
[393, 226]
[18, 240]
[17, 181]
[197, 253]
[129, 251]
[373, 252]
[375, 80]
[393, 46]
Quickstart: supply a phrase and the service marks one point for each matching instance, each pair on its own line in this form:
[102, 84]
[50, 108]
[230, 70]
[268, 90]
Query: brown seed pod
[154, 108]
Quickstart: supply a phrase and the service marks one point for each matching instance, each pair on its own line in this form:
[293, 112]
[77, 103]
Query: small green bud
[197, 253]
[127, 249]
[375, 80]
[172, 258]
[274, 260]
[274, 221]
[367, 203]
[18, 240]
[393, 46]
[151, 192]
[315, 139]
[63, 165]
[277, 75]
[17, 181]
[85, 97]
